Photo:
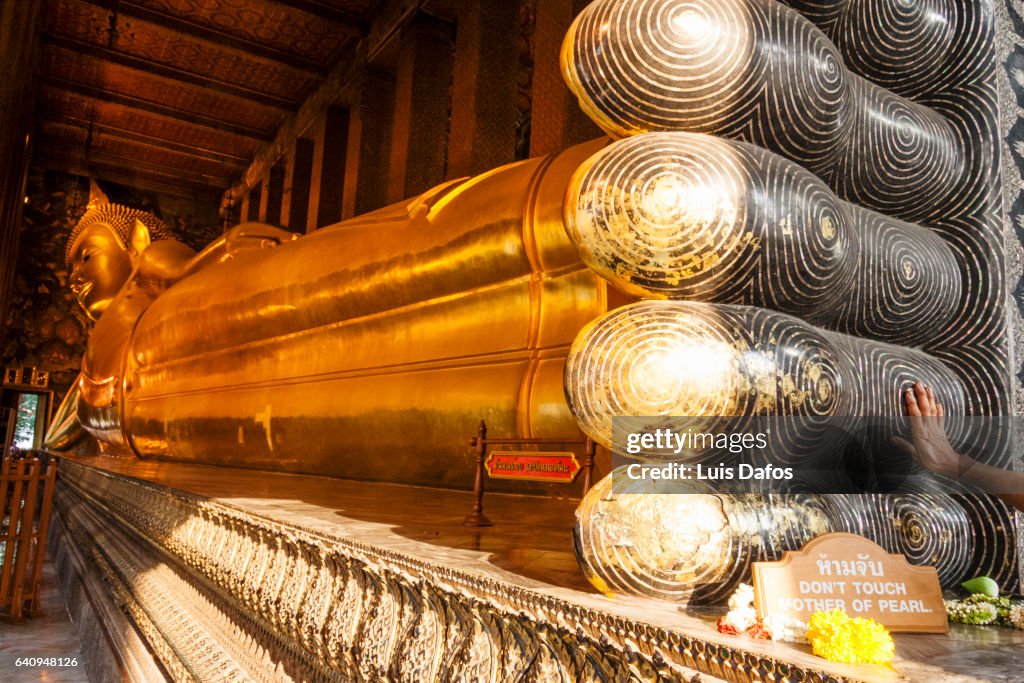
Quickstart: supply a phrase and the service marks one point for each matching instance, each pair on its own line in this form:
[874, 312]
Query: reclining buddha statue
[370, 349]
[790, 265]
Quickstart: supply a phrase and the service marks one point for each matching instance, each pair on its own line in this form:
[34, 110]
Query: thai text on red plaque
[532, 466]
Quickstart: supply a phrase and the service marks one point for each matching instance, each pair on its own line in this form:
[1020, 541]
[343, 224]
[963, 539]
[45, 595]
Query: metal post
[478, 518]
[588, 464]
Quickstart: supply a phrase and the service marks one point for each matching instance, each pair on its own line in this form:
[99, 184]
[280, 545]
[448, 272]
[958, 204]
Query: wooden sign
[556, 467]
[849, 572]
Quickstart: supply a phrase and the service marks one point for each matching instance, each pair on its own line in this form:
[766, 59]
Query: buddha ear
[139, 238]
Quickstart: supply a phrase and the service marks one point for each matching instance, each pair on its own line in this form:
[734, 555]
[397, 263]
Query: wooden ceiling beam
[221, 39]
[129, 165]
[229, 160]
[169, 72]
[174, 113]
[323, 10]
[139, 180]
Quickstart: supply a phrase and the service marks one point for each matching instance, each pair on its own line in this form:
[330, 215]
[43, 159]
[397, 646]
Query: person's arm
[931, 449]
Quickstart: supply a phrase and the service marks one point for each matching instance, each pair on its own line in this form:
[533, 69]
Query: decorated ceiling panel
[110, 77]
[188, 89]
[103, 145]
[278, 26]
[91, 24]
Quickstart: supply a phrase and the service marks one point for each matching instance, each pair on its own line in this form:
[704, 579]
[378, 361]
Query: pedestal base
[238, 575]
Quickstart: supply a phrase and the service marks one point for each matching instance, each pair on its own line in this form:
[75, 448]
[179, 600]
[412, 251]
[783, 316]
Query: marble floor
[530, 545]
[47, 636]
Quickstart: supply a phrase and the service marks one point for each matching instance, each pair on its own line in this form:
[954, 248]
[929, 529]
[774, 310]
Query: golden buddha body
[370, 349]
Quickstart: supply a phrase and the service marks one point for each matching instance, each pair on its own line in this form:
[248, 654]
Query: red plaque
[556, 467]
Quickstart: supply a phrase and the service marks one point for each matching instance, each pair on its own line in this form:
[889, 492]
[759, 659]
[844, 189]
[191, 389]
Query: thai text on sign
[555, 467]
[852, 573]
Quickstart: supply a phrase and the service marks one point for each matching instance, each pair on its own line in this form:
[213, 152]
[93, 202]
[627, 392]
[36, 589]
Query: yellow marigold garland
[838, 638]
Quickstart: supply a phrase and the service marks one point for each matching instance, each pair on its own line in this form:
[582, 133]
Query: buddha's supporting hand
[236, 240]
[255, 236]
[66, 431]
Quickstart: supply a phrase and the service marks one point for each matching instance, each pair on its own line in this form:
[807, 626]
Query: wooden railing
[26, 499]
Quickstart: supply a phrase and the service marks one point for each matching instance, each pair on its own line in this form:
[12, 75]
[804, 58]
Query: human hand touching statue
[931, 449]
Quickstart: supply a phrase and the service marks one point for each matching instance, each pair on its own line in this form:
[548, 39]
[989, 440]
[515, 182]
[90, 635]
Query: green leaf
[982, 585]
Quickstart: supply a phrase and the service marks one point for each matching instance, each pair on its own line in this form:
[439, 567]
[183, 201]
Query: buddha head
[104, 249]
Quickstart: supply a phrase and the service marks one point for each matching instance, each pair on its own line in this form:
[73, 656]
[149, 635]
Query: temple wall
[464, 87]
[1011, 125]
[19, 53]
[1010, 36]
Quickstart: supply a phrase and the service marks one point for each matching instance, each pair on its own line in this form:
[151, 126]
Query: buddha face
[100, 266]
